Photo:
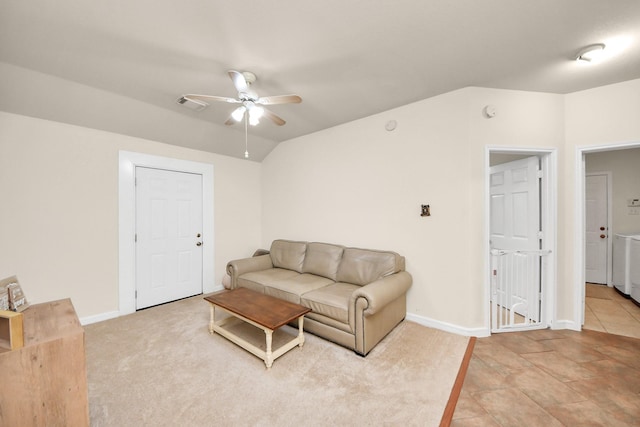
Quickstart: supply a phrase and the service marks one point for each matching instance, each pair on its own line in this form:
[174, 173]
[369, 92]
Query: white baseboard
[566, 324]
[99, 317]
[113, 314]
[448, 327]
[477, 332]
[214, 289]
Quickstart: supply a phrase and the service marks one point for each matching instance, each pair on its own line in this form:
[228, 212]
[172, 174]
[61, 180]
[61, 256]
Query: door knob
[601, 229]
[199, 244]
[602, 236]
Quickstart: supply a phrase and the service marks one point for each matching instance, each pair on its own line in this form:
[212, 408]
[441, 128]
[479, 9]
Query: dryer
[621, 262]
[634, 267]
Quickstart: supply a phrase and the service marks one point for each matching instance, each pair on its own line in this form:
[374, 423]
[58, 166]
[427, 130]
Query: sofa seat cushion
[331, 301]
[292, 288]
[257, 280]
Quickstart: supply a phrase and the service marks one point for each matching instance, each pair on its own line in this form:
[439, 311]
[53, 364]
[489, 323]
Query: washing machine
[621, 262]
[634, 267]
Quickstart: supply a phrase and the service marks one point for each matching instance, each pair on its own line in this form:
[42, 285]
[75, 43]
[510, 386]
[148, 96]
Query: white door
[168, 236]
[515, 205]
[515, 243]
[596, 232]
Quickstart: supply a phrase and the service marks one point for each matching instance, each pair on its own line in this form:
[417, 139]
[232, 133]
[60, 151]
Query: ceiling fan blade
[239, 81]
[212, 98]
[274, 118]
[279, 99]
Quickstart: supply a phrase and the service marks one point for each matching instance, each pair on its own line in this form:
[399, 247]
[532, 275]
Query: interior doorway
[521, 284]
[621, 160]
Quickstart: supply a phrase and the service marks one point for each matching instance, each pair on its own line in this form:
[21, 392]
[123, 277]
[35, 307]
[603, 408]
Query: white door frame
[549, 219]
[128, 161]
[578, 233]
[609, 176]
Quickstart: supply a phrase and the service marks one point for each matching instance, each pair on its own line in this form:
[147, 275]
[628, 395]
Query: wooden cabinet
[44, 383]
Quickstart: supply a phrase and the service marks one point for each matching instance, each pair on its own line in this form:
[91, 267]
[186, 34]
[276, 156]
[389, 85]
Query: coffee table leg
[212, 320]
[300, 332]
[268, 359]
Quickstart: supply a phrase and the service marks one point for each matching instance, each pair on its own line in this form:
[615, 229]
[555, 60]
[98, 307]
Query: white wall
[360, 185]
[624, 166]
[59, 208]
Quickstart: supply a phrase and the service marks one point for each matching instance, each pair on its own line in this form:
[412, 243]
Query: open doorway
[521, 234]
[605, 305]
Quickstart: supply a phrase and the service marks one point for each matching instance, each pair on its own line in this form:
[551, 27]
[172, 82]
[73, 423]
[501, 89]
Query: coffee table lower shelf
[216, 326]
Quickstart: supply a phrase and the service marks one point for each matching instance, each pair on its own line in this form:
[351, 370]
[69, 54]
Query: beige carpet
[160, 367]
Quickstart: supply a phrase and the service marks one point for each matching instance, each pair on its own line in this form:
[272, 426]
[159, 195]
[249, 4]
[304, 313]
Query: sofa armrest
[382, 292]
[238, 267]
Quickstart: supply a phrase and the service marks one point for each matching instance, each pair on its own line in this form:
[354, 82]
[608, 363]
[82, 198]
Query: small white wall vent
[192, 104]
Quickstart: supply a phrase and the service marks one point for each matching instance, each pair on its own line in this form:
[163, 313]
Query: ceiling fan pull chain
[246, 138]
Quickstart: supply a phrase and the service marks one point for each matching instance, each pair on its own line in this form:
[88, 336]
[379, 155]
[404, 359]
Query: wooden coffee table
[262, 311]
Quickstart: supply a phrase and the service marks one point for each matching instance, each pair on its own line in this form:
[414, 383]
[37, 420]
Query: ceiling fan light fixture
[238, 113]
[256, 112]
[591, 53]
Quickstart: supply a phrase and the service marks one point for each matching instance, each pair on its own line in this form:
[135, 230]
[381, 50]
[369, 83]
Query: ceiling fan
[251, 103]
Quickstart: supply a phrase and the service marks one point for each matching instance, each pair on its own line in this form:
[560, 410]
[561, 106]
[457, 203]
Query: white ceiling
[346, 59]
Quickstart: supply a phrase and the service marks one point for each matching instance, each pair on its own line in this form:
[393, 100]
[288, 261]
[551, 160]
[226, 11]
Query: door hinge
[539, 173]
[135, 237]
[540, 235]
[136, 294]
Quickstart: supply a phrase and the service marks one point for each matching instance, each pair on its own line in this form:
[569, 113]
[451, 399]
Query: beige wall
[355, 184]
[358, 184]
[624, 166]
[600, 117]
[59, 213]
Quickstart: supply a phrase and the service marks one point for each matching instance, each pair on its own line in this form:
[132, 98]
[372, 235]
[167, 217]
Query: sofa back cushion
[363, 266]
[322, 259]
[288, 254]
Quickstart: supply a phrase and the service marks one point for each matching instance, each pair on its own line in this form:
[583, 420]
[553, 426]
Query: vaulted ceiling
[120, 65]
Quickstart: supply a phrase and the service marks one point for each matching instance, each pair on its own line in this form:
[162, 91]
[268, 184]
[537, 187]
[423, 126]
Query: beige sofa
[357, 296]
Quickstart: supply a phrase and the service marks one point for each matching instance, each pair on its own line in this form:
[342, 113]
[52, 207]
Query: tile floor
[607, 311]
[558, 377]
